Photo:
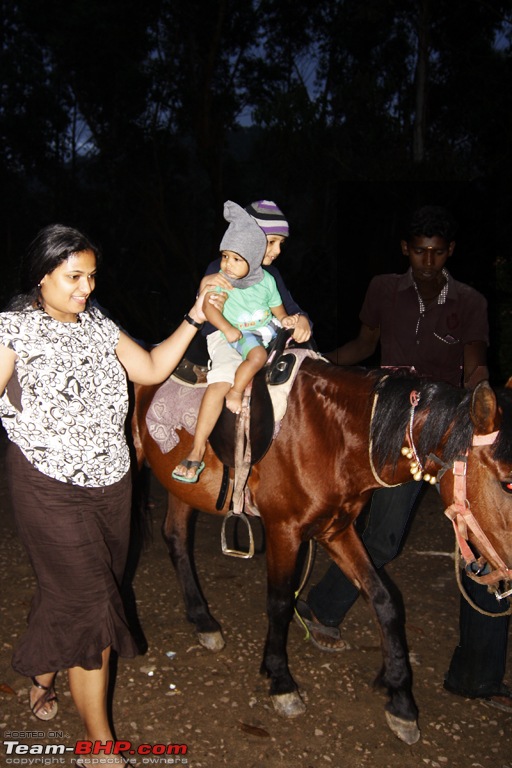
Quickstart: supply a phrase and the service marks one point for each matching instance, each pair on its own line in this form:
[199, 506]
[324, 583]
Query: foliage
[136, 120]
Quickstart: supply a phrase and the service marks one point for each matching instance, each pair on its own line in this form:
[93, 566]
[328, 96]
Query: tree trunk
[421, 79]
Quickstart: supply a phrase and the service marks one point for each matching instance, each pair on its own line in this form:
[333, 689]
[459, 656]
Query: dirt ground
[217, 705]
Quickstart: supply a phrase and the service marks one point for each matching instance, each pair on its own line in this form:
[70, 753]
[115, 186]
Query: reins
[370, 445]
[409, 450]
[458, 570]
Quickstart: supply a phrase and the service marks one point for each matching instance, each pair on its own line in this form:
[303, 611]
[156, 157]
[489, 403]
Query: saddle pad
[175, 405]
[279, 392]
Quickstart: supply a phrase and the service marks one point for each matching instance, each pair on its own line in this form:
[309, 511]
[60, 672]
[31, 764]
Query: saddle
[277, 370]
[261, 425]
[238, 440]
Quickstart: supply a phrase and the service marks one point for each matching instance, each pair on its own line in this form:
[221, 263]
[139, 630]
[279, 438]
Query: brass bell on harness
[416, 469]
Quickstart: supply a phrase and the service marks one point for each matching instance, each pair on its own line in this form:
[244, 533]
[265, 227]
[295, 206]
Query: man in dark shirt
[427, 321]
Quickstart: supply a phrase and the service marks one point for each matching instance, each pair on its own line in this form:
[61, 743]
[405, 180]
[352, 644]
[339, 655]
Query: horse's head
[480, 497]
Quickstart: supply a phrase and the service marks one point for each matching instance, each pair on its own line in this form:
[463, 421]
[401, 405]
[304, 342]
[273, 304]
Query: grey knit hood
[245, 237]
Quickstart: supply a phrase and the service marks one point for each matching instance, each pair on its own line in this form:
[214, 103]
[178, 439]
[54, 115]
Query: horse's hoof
[212, 641]
[289, 704]
[406, 730]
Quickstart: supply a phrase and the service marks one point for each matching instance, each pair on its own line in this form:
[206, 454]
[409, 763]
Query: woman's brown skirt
[77, 541]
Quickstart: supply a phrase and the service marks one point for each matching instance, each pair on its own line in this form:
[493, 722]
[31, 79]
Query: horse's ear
[509, 383]
[484, 409]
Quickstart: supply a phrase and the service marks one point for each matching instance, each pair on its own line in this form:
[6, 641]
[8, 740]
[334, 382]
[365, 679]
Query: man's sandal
[325, 638]
[45, 707]
[502, 699]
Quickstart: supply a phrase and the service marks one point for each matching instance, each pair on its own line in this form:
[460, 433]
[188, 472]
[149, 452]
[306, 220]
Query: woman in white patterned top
[63, 402]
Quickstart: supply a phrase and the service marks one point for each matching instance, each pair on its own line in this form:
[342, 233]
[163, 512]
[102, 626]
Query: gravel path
[217, 704]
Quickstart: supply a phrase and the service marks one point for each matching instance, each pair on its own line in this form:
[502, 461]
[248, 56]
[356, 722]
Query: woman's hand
[209, 290]
[217, 299]
[206, 294]
[218, 280]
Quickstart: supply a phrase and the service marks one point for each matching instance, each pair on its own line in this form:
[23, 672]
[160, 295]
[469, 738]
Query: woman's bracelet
[192, 321]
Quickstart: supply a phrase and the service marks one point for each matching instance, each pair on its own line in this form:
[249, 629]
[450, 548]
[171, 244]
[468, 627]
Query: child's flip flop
[188, 464]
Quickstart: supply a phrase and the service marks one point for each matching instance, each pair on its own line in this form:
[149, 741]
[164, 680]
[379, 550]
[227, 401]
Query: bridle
[459, 511]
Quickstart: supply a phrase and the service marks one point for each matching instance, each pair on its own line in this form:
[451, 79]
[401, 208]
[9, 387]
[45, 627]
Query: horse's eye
[507, 486]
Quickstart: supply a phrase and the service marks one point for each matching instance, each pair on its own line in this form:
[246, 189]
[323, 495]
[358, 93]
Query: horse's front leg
[349, 553]
[176, 531]
[282, 551]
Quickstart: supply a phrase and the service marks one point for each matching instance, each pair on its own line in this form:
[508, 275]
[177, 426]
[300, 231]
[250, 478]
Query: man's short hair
[432, 221]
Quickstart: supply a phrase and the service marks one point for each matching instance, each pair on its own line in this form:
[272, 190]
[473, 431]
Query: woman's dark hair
[51, 246]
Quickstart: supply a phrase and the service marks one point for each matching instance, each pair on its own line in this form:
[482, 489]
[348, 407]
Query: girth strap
[223, 490]
[242, 453]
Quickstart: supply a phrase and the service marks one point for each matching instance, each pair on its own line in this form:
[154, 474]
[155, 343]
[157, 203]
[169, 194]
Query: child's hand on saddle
[232, 334]
[289, 321]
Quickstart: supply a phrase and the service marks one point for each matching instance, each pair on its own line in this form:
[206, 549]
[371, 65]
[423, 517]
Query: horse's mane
[446, 410]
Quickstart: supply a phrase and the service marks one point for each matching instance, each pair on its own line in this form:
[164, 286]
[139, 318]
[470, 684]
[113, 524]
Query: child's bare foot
[234, 400]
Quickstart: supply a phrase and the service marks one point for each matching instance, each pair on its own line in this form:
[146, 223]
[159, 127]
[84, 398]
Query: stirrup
[236, 552]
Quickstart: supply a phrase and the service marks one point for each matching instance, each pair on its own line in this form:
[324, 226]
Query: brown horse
[340, 439]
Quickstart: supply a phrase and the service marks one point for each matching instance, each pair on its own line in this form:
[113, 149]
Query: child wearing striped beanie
[270, 217]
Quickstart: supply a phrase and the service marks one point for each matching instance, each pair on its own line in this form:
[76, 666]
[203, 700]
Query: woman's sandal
[45, 707]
